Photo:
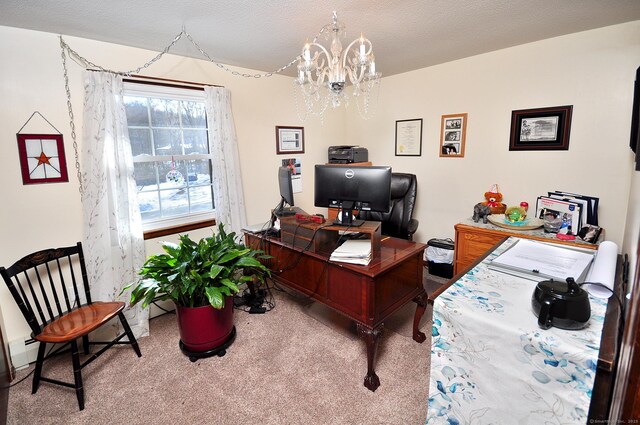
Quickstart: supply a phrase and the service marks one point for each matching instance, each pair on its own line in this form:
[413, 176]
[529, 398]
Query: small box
[439, 255]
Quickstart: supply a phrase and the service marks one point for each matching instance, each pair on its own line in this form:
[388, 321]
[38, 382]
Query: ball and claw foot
[372, 382]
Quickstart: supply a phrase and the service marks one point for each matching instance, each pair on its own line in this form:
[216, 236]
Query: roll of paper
[603, 270]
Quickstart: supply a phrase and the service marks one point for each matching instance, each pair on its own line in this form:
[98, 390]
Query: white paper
[353, 251]
[540, 260]
[603, 270]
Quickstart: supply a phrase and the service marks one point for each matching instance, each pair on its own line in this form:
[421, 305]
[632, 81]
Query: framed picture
[409, 137]
[540, 129]
[289, 140]
[453, 132]
[42, 158]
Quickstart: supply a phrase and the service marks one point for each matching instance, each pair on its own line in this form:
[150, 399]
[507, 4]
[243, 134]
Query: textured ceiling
[265, 35]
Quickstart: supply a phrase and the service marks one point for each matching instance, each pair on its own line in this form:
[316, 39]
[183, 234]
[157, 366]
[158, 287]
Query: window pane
[149, 205]
[137, 112]
[140, 141]
[161, 128]
[201, 198]
[196, 141]
[193, 114]
[167, 142]
[174, 202]
[199, 171]
[145, 175]
[164, 113]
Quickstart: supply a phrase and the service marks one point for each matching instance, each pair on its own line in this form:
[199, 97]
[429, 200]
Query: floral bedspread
[492, 364]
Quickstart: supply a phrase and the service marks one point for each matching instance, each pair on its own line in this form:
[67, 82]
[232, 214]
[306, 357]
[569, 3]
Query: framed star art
[42, 158]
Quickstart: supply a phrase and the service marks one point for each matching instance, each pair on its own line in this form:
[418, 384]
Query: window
[171, 157]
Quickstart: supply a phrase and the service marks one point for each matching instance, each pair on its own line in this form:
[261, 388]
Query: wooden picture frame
[289, 140]
[541, 129]
[42, 158]
[453, 134]
[409, 137]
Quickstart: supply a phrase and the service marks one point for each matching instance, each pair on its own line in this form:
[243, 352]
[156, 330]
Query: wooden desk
[366, 294]
[474, 239]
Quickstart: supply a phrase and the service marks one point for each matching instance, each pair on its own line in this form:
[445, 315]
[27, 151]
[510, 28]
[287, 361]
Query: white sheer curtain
[113, 240]
[227, 180]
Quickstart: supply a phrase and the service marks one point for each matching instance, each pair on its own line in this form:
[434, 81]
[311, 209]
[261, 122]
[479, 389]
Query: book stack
[575, 214]
[353, 251]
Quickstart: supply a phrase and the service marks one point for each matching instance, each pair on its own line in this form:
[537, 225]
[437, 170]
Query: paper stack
[353, 251]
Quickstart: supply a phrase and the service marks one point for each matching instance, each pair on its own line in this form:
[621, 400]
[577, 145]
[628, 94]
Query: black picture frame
[541, 129]
[409, 137]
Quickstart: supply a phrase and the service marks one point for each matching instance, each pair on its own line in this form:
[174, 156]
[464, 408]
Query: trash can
[439, 254]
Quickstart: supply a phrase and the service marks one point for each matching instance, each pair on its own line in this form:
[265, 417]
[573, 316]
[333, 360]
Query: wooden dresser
[474, 239]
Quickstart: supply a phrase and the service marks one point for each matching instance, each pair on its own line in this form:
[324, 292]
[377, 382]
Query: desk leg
[421, 301]
[371, 338]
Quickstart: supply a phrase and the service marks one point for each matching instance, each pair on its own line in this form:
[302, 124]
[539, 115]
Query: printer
[346, 154]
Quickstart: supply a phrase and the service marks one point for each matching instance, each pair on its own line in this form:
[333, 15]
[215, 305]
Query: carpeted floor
[297, 364]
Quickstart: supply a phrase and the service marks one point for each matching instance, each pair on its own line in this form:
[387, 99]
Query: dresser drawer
[476, 244]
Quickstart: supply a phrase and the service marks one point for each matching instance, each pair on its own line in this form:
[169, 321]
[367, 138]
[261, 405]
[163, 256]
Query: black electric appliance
[564, 305]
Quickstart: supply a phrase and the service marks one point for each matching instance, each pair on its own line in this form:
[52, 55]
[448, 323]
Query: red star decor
[43, 159]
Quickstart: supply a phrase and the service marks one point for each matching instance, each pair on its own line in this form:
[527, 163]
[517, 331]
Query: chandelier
[322, 74]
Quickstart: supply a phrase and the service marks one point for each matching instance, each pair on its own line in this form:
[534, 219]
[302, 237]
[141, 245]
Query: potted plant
[201, 279]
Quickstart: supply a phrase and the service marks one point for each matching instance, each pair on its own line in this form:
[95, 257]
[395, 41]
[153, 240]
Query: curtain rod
[134, 78]
[168, 80]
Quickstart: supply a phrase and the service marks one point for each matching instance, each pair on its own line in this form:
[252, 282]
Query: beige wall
[31, 78]
[593, 71]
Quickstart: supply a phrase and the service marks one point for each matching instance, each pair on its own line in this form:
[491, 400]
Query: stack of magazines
[578, 213]
[354, 251]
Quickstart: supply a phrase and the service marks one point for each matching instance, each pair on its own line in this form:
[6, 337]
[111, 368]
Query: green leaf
[171, 248]
[215, 297]
[215, 271]
[230, 284]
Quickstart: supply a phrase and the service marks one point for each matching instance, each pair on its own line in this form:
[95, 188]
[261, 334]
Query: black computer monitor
[352, 188]
[286, 193]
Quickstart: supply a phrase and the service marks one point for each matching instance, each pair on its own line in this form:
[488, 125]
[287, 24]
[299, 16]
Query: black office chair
[398, 222]
[52, 291]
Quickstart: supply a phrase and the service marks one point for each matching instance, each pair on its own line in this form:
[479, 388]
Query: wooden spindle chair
[52, 291]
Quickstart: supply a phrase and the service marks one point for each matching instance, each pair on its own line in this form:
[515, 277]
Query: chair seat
[80, 322]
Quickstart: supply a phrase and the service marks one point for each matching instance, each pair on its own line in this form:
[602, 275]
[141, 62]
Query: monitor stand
[282, 211]
[345, 216]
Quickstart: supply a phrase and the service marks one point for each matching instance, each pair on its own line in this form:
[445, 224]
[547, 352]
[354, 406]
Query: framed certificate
[289, 140]
[409, 137]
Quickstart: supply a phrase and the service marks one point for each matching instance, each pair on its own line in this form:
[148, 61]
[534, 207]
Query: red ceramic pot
[205, 328]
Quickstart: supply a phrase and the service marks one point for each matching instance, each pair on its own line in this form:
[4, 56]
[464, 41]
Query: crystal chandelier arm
[310, 63]
[357, 66]
[362, 54]
[316, 54]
